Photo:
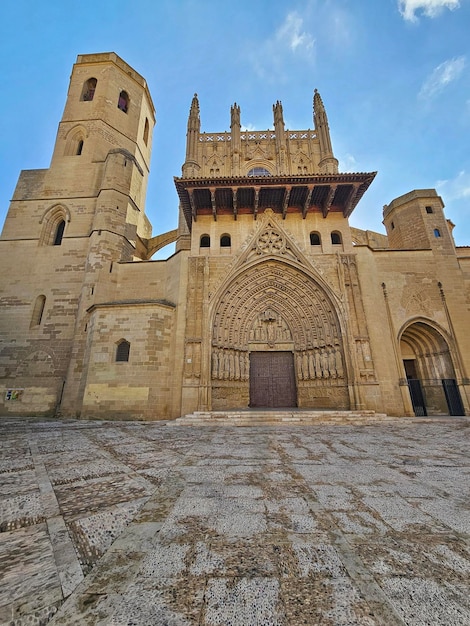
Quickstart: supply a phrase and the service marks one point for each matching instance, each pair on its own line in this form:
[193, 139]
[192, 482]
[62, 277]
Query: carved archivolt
[273, 305]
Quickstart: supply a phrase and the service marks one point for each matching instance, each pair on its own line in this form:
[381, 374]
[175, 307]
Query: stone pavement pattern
[124, 523]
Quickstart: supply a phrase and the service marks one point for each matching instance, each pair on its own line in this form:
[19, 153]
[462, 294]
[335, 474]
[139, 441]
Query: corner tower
[416, 221]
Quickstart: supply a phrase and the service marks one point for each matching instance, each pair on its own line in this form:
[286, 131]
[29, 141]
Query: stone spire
[235, 136]
[192, 135]
[328, 163]
[280, 137]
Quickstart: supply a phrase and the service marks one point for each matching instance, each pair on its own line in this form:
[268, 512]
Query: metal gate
[417, 397]
[454, 401]
[272, 380]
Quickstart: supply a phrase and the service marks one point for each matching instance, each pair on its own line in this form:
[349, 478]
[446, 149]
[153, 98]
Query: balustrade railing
[258, 135]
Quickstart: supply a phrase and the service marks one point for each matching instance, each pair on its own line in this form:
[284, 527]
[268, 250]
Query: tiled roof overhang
[283, 194]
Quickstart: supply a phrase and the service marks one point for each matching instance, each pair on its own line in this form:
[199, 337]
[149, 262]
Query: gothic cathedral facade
[271, 298]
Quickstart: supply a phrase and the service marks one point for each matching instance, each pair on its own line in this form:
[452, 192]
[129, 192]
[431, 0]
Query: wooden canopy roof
[283, 194]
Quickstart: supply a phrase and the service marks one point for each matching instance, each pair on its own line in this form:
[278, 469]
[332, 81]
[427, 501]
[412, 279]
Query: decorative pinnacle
[235, 114]
[195, 104]
[317, 102]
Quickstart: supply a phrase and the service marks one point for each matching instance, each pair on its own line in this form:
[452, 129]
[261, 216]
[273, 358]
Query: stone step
[262, 417]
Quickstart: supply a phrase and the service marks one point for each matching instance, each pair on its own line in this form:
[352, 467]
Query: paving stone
[113, 523]
[83, 471]
[28, 572]
[255, 601]
[15, 483]
[426, 603]
[94, 534]
[22, 510]
[79, 498]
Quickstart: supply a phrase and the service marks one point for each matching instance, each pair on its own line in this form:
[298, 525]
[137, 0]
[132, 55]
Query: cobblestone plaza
[120, 523]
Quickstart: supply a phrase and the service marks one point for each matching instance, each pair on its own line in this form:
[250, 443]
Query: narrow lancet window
[38, 311]
[123, 102]
[59, 233]
[122, 350]
[146, 131]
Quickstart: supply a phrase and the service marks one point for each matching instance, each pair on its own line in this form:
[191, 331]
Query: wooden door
[272, 380]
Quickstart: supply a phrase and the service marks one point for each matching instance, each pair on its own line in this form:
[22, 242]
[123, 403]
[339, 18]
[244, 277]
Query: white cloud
[441, 76]
[457, 188]
[347, 163]
[291, 42]
[290, 34]
[430, 8]
[340, 29]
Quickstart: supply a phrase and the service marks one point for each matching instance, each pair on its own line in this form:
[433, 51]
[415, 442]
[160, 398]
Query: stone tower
[416, 220]
[71, 222]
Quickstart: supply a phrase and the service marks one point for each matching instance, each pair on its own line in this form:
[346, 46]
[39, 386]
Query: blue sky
[394, 76]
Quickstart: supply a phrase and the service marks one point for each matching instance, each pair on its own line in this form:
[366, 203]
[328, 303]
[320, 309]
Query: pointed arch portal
[277, 341]
[430, 371]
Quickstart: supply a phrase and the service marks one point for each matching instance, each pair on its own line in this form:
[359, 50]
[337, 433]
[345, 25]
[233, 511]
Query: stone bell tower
[68, 224]
[103, 148]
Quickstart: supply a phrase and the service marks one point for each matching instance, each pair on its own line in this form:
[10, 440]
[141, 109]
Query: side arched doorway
[430, 372]
[277, 342]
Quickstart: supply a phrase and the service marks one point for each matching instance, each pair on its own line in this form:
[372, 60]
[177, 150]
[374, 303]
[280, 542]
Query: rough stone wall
[401, 289]
[35, 356]
[298, 229]
[139, 387]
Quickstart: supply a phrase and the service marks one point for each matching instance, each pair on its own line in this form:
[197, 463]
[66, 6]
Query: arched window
[123, 102]
[75, 141]
[88, 91]
[59, 233]
[205, 241]
[315, 239]
[336, 238]
[225, 241]
[38, 311]
[259, 171]
[437, 232]
[53, 225]
[122, 350]
[146, 131]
